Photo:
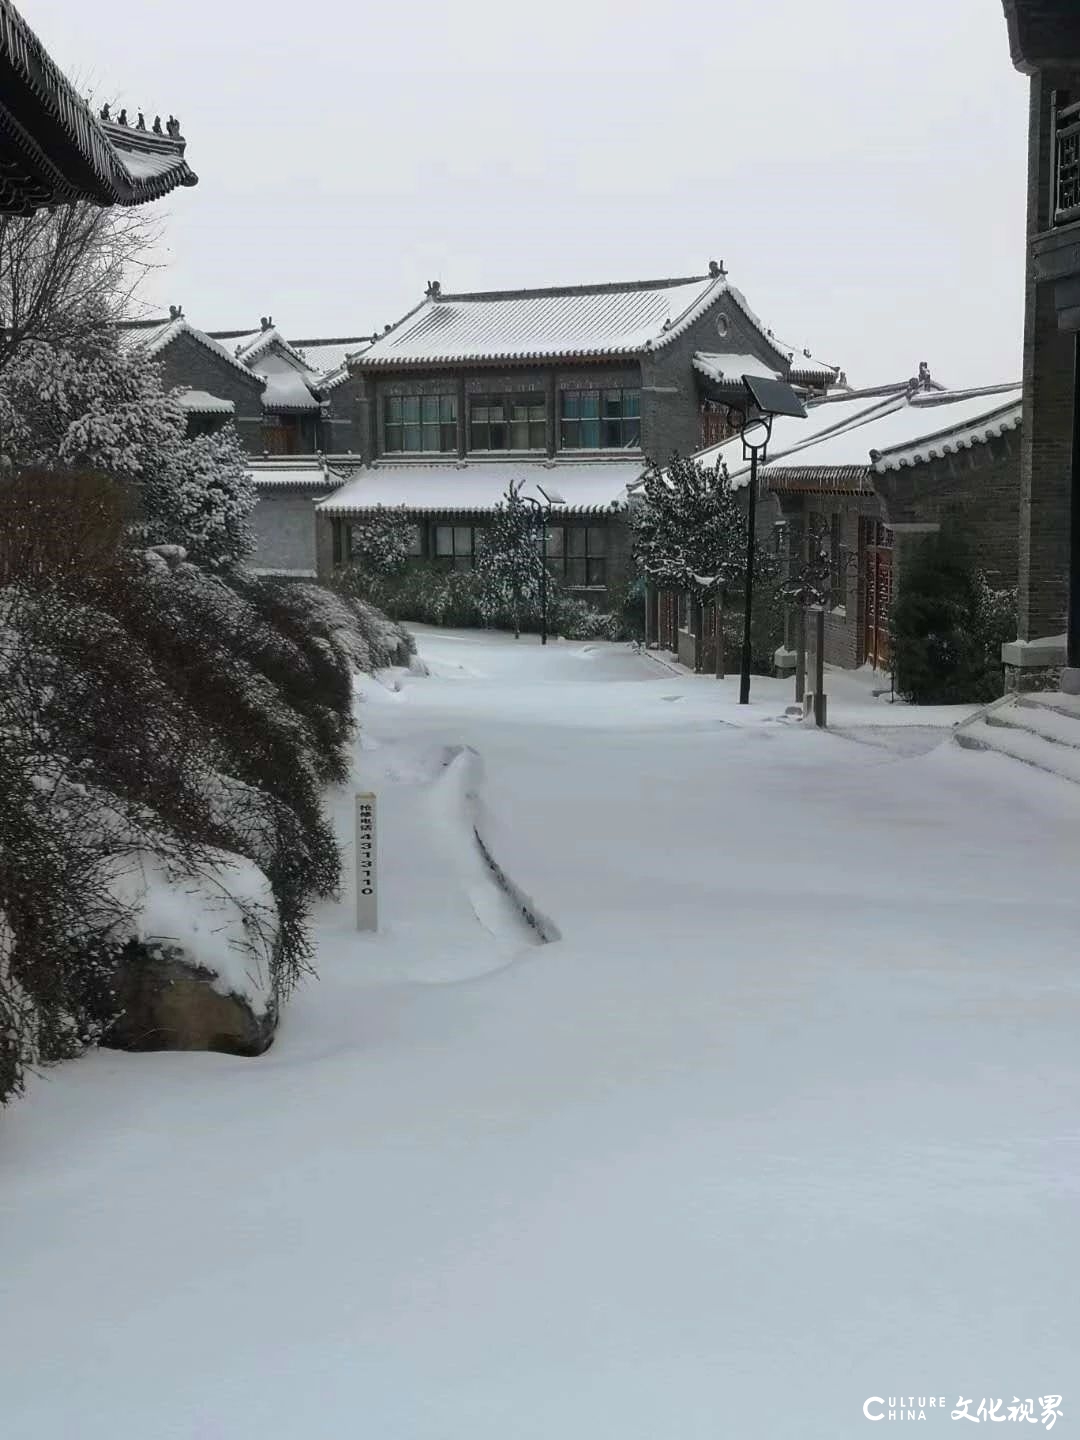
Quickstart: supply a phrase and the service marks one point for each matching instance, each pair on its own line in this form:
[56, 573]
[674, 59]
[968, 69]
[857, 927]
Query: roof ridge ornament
[433, 291]
[717, 271]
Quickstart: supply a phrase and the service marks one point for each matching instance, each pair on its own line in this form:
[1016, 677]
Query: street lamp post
[765, 400]
[552, 498]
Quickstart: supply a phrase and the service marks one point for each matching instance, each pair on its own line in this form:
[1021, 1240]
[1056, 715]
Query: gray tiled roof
[543, 324]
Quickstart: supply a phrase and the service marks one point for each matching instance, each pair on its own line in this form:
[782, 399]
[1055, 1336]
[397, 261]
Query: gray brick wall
[188, 362]
[284, 525]
[976, 491]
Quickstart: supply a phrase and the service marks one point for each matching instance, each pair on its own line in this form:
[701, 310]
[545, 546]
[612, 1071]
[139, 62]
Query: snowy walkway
[785, 1118]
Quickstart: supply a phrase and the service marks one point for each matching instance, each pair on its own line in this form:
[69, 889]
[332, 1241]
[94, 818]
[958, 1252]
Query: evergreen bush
[947, 627]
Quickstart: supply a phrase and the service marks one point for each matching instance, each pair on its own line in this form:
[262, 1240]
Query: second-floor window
[600, 419]
[507, 422]
[420, 422]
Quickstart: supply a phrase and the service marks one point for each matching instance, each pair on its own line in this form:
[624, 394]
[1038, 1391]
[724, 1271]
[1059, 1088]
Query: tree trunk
[718, 617]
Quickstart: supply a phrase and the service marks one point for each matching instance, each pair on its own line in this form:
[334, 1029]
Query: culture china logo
[1045, 1411]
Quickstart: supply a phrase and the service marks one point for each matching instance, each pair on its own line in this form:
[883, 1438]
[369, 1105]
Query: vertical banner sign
[367, 865]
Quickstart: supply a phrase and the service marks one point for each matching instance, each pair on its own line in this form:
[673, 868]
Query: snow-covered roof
[153, 341]
[288, 390]
[201, 402]
[729, 369]
[790, 435]
[534, 324]
[251, 349]
[918, 423]
[329, 356]
[588, 486]
[961, 435]
[313, 473]
[804, 366]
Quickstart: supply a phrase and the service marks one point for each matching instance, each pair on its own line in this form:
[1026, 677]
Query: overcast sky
[860, 167]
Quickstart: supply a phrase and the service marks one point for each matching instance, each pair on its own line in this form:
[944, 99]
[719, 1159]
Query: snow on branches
[688, 523]
[508, 560]
[97, 408]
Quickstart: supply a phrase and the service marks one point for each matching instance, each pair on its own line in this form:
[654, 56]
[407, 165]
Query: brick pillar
[1046, 447]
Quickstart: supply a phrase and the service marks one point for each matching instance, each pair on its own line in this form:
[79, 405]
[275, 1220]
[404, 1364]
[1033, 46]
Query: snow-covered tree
[688, 523]
[98, 408]
[508, 559]
[380, 542]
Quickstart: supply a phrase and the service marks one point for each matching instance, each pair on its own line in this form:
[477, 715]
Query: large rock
[167, 1002]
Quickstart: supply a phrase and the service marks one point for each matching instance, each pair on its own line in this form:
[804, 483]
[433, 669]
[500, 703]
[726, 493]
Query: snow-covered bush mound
[160, 721]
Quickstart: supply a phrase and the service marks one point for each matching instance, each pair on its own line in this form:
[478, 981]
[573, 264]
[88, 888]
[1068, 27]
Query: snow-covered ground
[782, 1116]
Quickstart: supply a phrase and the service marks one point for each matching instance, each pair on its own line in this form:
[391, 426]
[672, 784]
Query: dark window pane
[613, 404]
[555, 539]
[498, 436]
[597, 540]
[612, 432]
[431, 437]
[596, 570]
[478, 437]
[575, 540]
[410, 408]
[448, 436]
[462, 539]
[590, 435]
[393, 437]
[570, 406]
[429, 408]
[412, 439]
[444, 540]
[447, 407]
[537, 435]
[569, 435]
[590, 404]
[631, 432]
[631, 402]
[393, 407]
[519, 435]
[575, 572]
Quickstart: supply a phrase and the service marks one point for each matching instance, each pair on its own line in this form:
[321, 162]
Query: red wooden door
[877, 592]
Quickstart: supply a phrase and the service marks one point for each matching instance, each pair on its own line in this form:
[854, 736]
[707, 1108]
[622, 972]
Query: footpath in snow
[772, 1108]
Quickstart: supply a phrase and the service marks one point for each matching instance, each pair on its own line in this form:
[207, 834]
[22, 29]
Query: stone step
[1051, 700]
[1042, 720]
[1025, 745]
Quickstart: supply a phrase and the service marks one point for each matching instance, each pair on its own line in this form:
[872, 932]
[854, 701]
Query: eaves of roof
[949, 442]
[57, 150]
[819, 480]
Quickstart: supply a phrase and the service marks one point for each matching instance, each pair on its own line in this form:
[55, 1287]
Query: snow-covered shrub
[199, 494]
[380, 541]
[947, 626]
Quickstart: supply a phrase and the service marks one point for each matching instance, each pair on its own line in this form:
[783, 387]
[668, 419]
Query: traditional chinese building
[54, 150]
[1045, 42]
[566, 390]
[867, 474]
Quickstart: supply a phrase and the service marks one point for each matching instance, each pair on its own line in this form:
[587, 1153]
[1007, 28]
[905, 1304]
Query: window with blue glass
[600, 420]
[420, 423]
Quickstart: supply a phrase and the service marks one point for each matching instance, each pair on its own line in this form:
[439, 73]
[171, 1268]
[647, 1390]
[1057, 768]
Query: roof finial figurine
[176, 312]
[924, 373]
[172, 125]
[717, 272]
[106, 113]
[121, 119]
[140, 124]
[157, 125]
[434, 290]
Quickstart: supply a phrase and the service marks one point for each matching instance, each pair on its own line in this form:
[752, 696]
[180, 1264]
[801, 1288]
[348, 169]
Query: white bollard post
[367, 864]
